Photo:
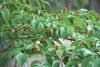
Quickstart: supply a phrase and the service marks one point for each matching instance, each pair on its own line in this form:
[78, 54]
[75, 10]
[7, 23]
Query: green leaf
[21, 58]
[94, 63]
[48, 59]
[34, 24]
[97, 32]
[63, 32]
[79, 24]
[40, 27]
[36, 64]
[6, 14]
[46, 3]
[98, 22]
[70, 28]
[45, 65]
[26, 18]
[71, 63]
[57, 64]
[50, 43]
[86, 61]
[29, 47]
[54, 26]
[84, 51]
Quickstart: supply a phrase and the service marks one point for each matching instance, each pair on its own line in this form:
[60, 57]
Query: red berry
[56, 44]
[10, 30]
[16, 29]
[42, 40]
[56, 47]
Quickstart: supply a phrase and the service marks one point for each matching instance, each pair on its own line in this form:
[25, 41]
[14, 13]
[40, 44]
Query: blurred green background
[56, 5]
[74, 4]
[70, 4]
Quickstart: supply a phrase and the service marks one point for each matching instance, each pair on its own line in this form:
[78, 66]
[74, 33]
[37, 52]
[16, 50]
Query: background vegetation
[30, 27]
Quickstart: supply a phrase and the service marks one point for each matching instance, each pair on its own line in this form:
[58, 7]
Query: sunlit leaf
[36, 64]
[6, 14]
[63, 32]
[94, 63]
[56, 64]
[21, 58]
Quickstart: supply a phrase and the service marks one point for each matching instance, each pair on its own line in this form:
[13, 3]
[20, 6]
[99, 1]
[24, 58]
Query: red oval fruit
[56, 44]
[42, 40]
[56, 47]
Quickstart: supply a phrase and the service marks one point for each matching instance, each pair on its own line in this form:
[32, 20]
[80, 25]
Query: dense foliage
[32, 31]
